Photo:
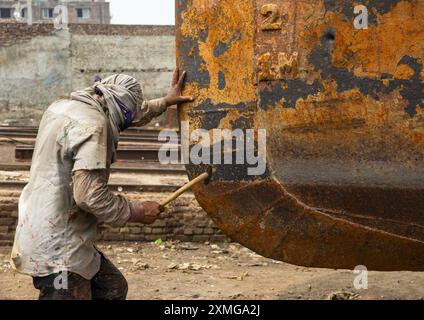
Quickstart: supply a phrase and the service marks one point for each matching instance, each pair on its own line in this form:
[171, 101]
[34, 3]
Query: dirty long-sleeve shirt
[67, 195]
[91, 194]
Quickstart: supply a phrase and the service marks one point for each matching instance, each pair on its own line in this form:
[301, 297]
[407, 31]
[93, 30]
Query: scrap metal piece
[343, 110]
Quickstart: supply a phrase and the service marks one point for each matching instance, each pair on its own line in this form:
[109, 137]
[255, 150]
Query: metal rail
[130, 135]
[148, 168]
[148, 153]
[116, 187]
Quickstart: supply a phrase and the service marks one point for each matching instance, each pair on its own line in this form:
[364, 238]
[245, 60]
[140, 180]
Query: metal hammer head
[211, 171]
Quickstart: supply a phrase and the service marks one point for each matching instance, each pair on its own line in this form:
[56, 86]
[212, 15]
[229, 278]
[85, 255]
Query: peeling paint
[343, 110]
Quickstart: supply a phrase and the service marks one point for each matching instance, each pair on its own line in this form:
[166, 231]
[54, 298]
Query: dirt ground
[173, 270]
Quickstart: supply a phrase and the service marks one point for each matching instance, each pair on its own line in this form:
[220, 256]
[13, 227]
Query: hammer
[205, 177]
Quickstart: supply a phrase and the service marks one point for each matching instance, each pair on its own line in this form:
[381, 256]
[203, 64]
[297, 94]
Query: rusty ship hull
[343, 111]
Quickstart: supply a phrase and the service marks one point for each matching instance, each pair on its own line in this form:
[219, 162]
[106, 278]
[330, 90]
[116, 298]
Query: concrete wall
[39, 64]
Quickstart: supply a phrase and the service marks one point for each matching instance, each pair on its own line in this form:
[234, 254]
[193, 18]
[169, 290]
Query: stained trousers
[107, 284]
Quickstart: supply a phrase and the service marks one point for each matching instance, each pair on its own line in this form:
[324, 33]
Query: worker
[67, 195]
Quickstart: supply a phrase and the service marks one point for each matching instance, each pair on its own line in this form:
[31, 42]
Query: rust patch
[343, 109]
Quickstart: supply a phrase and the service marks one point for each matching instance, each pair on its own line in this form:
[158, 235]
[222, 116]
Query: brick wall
[122, 30]
[13, 33]
[184, 220]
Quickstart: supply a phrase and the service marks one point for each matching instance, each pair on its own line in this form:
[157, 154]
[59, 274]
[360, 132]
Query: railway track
[151, 169]
[129, 135]
[115, 187]
[137, 154]
[141, 153]
[135, 143]
[147, 168]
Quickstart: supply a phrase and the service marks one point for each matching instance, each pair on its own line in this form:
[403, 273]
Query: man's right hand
[145, 212]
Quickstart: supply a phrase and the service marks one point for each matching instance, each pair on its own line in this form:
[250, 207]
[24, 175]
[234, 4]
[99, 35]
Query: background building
[95, 11]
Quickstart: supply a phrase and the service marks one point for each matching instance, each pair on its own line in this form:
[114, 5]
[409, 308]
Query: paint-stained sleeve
[89, 147]
[148, 111]
[92, 195]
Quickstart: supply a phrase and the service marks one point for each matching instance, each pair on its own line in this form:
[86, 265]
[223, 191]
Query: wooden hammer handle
[184, 189]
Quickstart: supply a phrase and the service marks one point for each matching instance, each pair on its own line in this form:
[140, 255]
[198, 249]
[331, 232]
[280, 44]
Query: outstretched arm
[154, 108]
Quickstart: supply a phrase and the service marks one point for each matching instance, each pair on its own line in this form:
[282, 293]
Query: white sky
[156, 12]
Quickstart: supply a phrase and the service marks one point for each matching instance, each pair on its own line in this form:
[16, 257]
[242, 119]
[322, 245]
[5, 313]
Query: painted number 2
[273, 20]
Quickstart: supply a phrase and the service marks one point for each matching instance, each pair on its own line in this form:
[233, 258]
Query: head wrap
[118, 96]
